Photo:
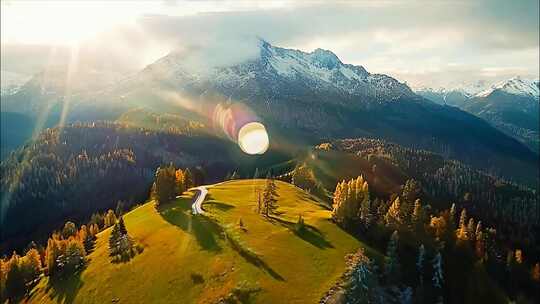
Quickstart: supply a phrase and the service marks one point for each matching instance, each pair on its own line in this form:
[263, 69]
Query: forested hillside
[71, 172]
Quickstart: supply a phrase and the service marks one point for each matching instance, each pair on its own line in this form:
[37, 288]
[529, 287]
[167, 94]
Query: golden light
[253, 138]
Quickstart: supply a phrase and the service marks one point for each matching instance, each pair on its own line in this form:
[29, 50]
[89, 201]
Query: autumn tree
[31, 265]
[462, 232]
[70, 229]
[109, 219]
[351, 201]
[180, 182]
[393, 217]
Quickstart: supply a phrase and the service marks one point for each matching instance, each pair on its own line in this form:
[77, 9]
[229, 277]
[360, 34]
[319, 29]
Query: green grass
[201, 259]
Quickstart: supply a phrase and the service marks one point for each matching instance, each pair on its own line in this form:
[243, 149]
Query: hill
[203, 258]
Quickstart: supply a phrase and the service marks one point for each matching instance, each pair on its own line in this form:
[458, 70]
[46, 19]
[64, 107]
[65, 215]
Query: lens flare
[253, 138]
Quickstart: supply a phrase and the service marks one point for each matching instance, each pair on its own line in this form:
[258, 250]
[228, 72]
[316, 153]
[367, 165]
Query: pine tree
[364, 285]
[122, 226]
[392, 267]
[15, 285]
[188, 179]
[74, 255]
[420, 264]
[256, 174]
[438, 278]
[165, 184]
[114, 240]
[269, 197]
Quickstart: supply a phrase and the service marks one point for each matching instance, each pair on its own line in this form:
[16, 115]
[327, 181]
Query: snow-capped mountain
[320, 70]
[514, 86]
[302, 97]
[510, 105]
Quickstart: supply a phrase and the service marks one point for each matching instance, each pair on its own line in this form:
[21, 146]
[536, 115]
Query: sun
[253, 138]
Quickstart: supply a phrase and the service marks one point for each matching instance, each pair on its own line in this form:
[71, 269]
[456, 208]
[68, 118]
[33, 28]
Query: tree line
[57, 175]
[64, 255]
[429, 253]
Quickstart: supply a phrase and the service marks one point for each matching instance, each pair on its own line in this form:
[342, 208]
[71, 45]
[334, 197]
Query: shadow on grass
[309, 234]
[205, 231]
[251, 257]
[64, 289]
[219, 205]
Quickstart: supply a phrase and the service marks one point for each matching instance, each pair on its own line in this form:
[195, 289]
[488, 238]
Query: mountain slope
[511, 106]
[187, 259]
[309, 97]
[321, 97]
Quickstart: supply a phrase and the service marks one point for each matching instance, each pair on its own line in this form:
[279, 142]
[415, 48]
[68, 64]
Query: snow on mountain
[319, 69]
[515, 86]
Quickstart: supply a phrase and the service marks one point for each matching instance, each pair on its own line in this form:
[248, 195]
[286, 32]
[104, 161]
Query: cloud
[402, 38]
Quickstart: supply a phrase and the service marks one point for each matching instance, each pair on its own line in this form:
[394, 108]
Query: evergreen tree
[166, 186]
[15, 285]
[122, 226]
[364, 285]
[392, 267]
[74, 255]
[269, 197]
[420, 264]
[114, 240]
[438, 278]
[189, 181]
[256, 174]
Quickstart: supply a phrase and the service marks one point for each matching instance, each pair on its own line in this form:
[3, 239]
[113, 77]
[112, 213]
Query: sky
[423, 43]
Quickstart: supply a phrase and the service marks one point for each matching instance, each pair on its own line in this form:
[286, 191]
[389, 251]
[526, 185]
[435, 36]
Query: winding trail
[199, 197]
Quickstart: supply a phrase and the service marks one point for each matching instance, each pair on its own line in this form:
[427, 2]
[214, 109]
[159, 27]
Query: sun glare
[253, 138]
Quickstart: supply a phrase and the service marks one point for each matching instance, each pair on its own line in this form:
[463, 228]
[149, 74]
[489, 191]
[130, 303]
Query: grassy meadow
[205, 258]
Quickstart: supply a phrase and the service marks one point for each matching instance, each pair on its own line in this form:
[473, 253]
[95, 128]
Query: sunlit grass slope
[201, 259]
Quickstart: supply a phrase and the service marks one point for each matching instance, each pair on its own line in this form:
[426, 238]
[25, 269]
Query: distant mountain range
[300, 97]
[512, 106]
